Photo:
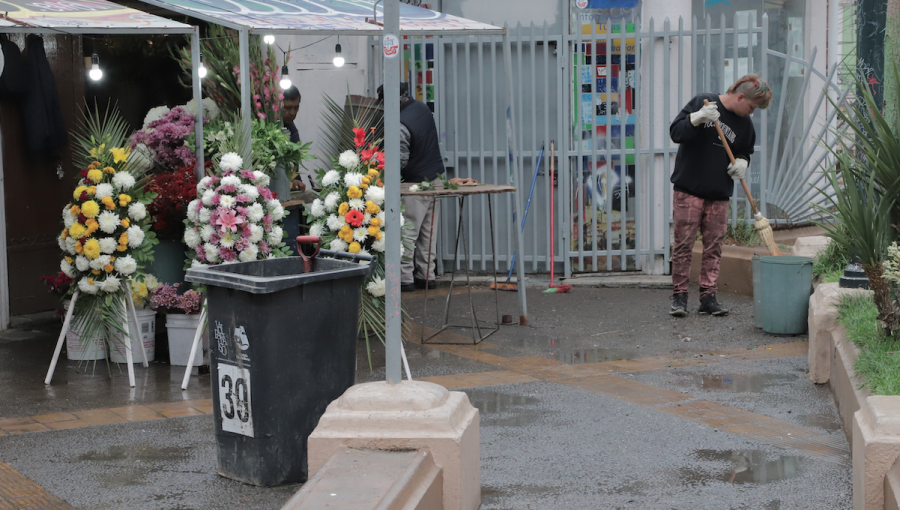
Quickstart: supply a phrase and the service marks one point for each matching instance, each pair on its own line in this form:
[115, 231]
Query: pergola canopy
[83, 17]
[328, 17]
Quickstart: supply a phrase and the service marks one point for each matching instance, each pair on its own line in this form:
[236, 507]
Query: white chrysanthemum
[250, 190]
[348, 160]
[380, 217]
[230, 180]
[137, 211]
[153, 115]
[126, 265]
[256, 233]
[212, 252]
[70, 245]
[61, 242]
[335, 222]
[356, 203]
[231, 161]
[227, 239]
[317, 209]
[375, 194]
[197, 263]
[192, 210]
[338, 245]
[204, 183]
[360, 234]
[276, 235]
[249, 253]
[414, 188]
[82, 263]
[277, 213]
[316, 229]
[191, 238]
[206, 231]
[87, 287]
[402, 249]
[67, 268]
[123, 180]
[68, 219]
[367, 218]
[108, 245]
[226, 201]
[261, 179]
[141, 158]
[331, 177]
[110, 284]
[108, 221]
[99, 262]
[402, 220]
[353, 179]
[332, 201]
[376, 286]
[256, 212]
[135, 236]
[103, 190]
[204, 215]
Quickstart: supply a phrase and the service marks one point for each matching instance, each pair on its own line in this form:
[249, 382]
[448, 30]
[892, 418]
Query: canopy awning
[327, 17]
[82, 17]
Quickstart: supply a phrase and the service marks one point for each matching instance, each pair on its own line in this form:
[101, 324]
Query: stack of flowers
[141, 289]
[166, 296]
[174, 191]
[166, 136]
[235, 217]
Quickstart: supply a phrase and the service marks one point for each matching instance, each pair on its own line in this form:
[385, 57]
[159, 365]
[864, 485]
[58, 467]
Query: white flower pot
[181, 330]
[78, 350]
[146, 329]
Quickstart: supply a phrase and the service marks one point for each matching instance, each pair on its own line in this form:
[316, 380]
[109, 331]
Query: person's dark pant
[710, 217]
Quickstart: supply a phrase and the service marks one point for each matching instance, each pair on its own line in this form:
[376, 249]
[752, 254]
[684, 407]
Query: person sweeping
[703, 181]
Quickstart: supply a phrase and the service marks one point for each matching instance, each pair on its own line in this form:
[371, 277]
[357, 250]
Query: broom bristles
[766, 235]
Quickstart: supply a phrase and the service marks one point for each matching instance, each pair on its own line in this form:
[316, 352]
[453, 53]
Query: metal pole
[514, 179]
[198, 100]
[392, 319]
[246, 91]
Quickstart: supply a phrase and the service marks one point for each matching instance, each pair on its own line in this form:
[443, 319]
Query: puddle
[137, 453]
[742, 467]
[822, 421]
[750, 383]
[503, 410]
[493, 494]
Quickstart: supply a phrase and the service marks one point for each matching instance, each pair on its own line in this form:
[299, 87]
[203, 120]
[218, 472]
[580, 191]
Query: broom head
[765, 234]
[505, 286]
[559, 289]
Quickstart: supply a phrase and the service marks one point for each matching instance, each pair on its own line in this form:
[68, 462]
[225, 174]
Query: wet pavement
[603, 401]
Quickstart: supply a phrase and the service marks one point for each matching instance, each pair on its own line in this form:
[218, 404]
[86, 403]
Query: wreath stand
[128, 304]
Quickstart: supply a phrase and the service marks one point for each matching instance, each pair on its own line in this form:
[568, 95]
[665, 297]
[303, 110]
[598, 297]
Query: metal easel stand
[196, 345]
[479, 333]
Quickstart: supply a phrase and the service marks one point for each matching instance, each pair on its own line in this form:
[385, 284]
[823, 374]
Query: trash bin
[757, 292]
[282, 347]
[785, 283]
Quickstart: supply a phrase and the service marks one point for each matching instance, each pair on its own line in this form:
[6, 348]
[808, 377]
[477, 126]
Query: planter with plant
[145, 327]
[182, 320]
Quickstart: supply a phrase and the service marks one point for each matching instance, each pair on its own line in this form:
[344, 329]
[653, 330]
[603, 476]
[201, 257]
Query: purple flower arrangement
[167, 297]
[166, 138]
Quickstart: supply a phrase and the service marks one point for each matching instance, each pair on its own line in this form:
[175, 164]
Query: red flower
[83, 173]
[354, 218]
[360, 138]
[169, 209]
[82, 219]
[367, 155]
[379, 157]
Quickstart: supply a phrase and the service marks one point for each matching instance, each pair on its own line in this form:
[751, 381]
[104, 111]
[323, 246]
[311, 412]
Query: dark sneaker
[679, 305]
[708, 304]
[420, 284]
[407, 287]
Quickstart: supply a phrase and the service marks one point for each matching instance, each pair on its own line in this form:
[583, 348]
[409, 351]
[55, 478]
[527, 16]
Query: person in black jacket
[704, 181]
[290, 105]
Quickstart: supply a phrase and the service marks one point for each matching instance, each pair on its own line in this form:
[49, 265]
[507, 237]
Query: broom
[762, 224]
[562, 288]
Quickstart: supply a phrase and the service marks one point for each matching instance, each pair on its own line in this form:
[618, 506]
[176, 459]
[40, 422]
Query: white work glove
[738, 169]
[709, 113]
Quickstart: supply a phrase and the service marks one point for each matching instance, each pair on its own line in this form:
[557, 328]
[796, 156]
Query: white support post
[137, 325]
[246, 91]
[197, 336]
[62, 337]
[128, 356]
[198, 100]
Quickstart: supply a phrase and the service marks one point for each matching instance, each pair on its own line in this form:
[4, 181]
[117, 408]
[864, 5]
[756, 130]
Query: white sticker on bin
[234, 400]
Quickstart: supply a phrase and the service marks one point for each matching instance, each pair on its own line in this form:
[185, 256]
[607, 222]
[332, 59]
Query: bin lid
[787, 260]
[273, 275]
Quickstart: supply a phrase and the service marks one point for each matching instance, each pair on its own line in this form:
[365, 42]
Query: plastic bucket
[78, 350]
[785, 283]
[146, 330]
[180, 330]
[757, 293]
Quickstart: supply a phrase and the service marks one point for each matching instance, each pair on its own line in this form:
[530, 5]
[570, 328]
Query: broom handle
[731, 157]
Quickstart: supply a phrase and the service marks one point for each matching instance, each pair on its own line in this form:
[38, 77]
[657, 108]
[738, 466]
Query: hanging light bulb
[201, 71]
[285, 82]
[269, 39]
[95, 72]
[338, 58]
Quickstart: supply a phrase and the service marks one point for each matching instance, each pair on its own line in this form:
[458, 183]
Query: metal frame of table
[479, 333]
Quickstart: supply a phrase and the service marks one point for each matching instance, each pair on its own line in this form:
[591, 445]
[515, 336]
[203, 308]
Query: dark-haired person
[290, 105]
[704, 181]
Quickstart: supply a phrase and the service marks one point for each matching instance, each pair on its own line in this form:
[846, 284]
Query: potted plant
[145, 327]
[182, 321]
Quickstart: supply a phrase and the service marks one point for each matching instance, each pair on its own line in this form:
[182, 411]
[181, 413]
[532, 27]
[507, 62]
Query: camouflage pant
[711, 218]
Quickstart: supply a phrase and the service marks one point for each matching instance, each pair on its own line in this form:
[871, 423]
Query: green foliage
[272, 146]
[336, 133]
[95, 129]
[832, 259]
[879, 360]
[744, 234]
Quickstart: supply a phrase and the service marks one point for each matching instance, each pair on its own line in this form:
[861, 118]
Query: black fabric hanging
[14, 79]
[45, 130]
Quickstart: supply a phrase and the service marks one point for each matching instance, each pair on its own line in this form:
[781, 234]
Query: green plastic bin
[757, 293]
[786, 282]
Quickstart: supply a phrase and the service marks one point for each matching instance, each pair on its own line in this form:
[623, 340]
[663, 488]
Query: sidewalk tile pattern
[17, 492]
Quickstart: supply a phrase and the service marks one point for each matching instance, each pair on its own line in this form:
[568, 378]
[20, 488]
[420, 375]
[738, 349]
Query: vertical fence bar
[695, 83]
[468, 93]
[548, 180]
[495, 143]
[520, 141]
[532, 50]
[764, 70]
[724, 86]
[456, 149]
[579, 190]
[665, 114]
[621, 91]
[440, 109]
[640, 173]
[608, 163]
[782, 101]
[782, 169]
[481, 139]
[707, 41]
[563, 207]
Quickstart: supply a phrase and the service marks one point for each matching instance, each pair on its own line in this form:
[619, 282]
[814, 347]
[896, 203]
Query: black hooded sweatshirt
[701, 167]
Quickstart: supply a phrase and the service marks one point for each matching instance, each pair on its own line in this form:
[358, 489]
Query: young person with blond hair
[704, 181]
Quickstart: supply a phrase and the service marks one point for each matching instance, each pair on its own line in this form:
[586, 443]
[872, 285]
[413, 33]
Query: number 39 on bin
[234, 400]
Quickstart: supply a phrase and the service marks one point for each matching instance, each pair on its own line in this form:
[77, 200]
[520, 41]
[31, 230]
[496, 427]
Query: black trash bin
[282, 347]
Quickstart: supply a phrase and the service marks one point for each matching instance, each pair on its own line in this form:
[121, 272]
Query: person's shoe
[407, 287]
[708, 304]
[679, 305]
[420, 284]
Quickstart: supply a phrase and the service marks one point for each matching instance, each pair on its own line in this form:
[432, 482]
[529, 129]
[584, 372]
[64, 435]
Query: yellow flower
[95, 271]
[108, 202]
[366, 179]
[65, 234]
[373, 230]
[373, 172]
[378, 236]
[354, 247]
[77, 196]
[76, 230]
[120, 154]
[126, 223]
[364, 186]
[375, 221]
[124, 199]
[90, 281]
[343, 209]
[354, 192]
[97, 151]
[69, 259]
[75, 211]
[371, 208]
[90, 209]
[78, 249]
[123, 239]
[95, 164]
[108, 268]
[91, 229]
[92, 190]
[109, 170]
[92, 249]
[95, 175]
[142, 290]
[122, 247]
